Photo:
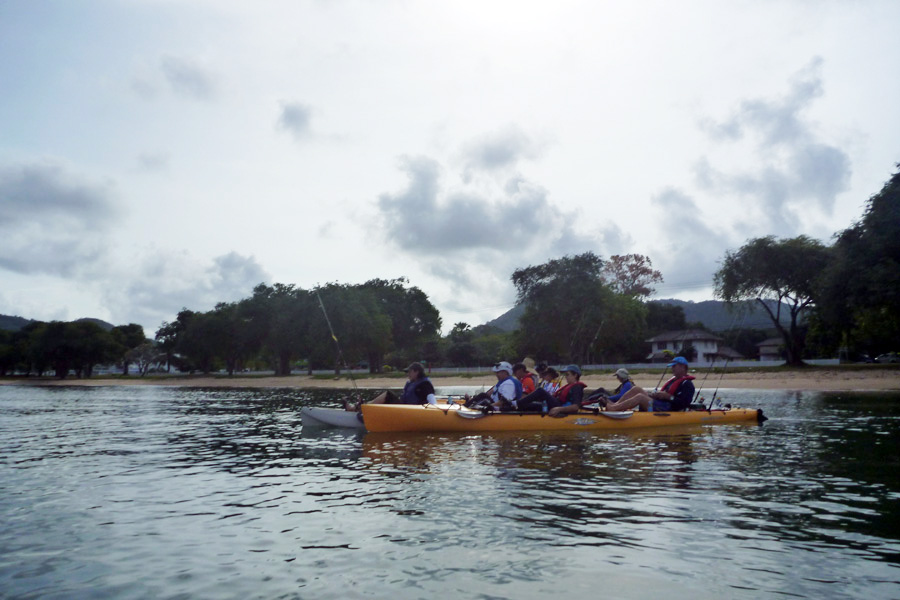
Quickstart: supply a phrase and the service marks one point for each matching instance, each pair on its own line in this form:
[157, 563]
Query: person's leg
[387, 397]
[534, 401]
[634, 391]
[643, 401]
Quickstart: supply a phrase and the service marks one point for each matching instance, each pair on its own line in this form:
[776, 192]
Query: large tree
[785, 271]
[861, 291]
[567, 306]
[414, 319]
[128, 337]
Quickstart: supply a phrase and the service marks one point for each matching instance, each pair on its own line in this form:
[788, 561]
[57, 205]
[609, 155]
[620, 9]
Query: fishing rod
[724, 367]
[336, 342]
[713, 399]
[666, 369]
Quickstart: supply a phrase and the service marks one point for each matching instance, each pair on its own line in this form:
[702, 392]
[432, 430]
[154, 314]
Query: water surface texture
[153, 492]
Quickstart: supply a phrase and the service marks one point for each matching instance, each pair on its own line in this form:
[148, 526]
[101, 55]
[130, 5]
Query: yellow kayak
[400, 417]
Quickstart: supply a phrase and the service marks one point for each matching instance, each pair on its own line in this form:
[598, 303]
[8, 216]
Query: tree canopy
[572, 313]
[861, 285]
[785, 271]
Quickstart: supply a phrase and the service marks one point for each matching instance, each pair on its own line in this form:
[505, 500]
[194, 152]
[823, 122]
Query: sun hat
[622, 374]
[572, 369]
[678, 360]
[503, 366]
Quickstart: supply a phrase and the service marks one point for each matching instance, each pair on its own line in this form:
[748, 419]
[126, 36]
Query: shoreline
[823, 380]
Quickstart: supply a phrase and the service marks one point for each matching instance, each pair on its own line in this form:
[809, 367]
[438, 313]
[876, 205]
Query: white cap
[503, 366]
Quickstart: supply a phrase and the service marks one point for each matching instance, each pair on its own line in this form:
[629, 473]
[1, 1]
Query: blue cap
[572, 369]
[678, 360]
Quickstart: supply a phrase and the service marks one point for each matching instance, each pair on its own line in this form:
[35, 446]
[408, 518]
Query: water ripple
[146, 492]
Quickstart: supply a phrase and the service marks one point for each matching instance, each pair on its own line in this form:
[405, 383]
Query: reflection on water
[146, 492]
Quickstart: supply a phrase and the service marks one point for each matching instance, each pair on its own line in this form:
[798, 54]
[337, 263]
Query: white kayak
[330, 417]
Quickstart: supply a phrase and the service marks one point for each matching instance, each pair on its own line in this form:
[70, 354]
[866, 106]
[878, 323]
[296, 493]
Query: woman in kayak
[418, 390]
[550, 379]
[604, 397]
[566, 400]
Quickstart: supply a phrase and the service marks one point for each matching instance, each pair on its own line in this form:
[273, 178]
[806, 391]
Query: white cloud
[159, 284]
[52, 221]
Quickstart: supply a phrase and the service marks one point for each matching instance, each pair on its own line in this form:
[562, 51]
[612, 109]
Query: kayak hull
[381, 417]
[330, 417]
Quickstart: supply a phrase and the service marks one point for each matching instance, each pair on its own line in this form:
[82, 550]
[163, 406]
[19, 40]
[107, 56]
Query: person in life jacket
[568, 399]
[529, 380]
[605, 397]
[418, 390]
[676, 394]
[503, 396]
[550, 378]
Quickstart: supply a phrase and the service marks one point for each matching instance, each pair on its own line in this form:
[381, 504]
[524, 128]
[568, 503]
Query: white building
[708, 346]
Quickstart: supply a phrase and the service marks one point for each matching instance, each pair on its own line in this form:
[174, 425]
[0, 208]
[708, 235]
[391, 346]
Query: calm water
[150, 492]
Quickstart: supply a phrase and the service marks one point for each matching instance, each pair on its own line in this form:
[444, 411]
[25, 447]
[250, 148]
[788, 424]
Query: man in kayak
[676, 394]
[418, 390]
[505, 393]
[567, 399]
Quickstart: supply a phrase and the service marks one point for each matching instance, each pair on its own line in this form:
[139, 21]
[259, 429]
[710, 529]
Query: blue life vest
[409, 392]
[516, 383]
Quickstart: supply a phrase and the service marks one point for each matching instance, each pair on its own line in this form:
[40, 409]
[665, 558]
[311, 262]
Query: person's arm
[625, 387]
[506, 390]
[684, 395]
[425, 392]
[576, 395]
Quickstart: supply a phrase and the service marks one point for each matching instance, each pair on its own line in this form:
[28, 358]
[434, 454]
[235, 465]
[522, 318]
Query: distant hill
[102, 324]
[508, 321]
[10, 323]
[714, 314]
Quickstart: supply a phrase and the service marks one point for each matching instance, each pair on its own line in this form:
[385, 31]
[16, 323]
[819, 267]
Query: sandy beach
[815, 379]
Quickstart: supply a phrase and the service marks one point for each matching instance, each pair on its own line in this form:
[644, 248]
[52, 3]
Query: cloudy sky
[160, 154]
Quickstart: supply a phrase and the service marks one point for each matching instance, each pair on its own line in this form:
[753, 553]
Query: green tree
[277, 319]
[128, 337]
[461, 351]
[145, 356]
[662, 317]
[92, 345]
[8, 356]
[358, 321]
[785, 271]
[567, 303]
[860, 298]
[414, 319]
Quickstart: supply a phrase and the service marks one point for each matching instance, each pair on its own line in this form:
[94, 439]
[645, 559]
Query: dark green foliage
[785, 271]
[572, 314]
[860, 306]
[128, 337]
[663, 317]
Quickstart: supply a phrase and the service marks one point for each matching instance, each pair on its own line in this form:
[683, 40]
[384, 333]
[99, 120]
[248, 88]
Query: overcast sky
[159, 154]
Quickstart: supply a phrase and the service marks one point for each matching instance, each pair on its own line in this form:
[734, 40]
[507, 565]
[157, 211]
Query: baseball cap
[503, 366]
[572, 369]
[678, 360]
[623, 373]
